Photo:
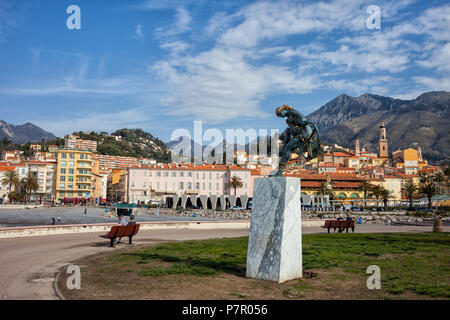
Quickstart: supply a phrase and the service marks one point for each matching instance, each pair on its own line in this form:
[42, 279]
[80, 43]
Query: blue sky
[160, 65]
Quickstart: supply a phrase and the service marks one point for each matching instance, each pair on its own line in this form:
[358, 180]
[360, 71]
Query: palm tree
[447, 171]
[408, 190]
[377, 192]
[30, 184]
[386, 195]
[428, 188]
[366, 187]
[326, 189]
[11, 178]
[439, 177]
[235, 183]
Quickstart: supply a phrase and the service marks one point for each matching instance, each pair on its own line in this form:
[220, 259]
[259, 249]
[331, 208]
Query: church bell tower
[383, 145]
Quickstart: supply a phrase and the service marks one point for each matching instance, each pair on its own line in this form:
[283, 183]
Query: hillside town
[77, 174]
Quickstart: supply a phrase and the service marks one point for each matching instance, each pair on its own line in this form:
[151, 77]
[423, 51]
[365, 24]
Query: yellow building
[409, 160]
[74, 176]
[344, 186]
[394, 185]
[114, 187]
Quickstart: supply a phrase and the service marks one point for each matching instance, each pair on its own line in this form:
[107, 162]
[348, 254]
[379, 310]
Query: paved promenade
[75, 215]
[28, 264]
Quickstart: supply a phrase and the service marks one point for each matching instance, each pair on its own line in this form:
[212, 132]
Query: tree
[447, 171]
[439, 177]
[5, 142]
[366, 188]
[408, 190]
[377, 192]
[386, 195]
[11, 178]
[30, 184]
[235, 183]
[427, 187]
[324, 189]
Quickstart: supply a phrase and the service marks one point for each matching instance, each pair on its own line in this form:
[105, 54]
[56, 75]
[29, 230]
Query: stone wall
[220, 214]
[369, 218]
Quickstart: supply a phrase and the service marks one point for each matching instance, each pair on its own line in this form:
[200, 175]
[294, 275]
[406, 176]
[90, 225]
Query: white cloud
[101, 121]
[175, 47]
[219, 84]
[439, 59]
[424, 84]
[161, 5]
[376, 85]
[138, 34]
[182, 24]
[233, 78]
[435, 84]
[69, 85]
[267, 21]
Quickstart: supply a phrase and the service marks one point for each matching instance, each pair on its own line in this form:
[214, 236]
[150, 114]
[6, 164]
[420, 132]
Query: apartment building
[199, 183]
[74, 175]
[13, 155]
[21, 169]
[115, 162]
[75, 143]
[100, 185]
[45, 173]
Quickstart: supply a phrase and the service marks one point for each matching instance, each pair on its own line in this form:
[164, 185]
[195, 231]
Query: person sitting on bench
[131, 222]
[122, 222]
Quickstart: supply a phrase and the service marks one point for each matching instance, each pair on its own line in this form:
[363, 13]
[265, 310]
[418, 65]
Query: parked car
[356, 209]
[236, 208]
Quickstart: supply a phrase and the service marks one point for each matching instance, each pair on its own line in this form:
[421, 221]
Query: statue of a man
[300, 135]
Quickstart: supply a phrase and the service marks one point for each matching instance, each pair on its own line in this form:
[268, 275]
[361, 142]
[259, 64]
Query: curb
[13, 232]
[55, 284]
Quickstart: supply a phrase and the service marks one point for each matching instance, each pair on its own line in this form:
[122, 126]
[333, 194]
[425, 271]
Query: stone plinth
[275, 242]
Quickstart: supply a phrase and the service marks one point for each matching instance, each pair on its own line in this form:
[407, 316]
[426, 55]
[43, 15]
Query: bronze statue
[300, 137]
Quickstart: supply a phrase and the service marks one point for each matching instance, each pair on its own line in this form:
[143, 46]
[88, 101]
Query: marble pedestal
[275, 242]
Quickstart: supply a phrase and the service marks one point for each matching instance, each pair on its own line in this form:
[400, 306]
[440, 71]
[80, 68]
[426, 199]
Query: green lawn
[418, 263]
[413, 266]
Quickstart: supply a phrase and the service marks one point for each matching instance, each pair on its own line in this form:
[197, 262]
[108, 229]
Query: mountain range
[24, 133]
[421, 122]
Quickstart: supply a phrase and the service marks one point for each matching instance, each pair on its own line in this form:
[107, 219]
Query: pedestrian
[122, 222]
[85, 210]
[132, 222]
[52, 220]
[59, 219]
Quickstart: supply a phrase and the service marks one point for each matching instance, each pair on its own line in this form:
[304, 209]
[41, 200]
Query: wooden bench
[122, 231]
[340, 225]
